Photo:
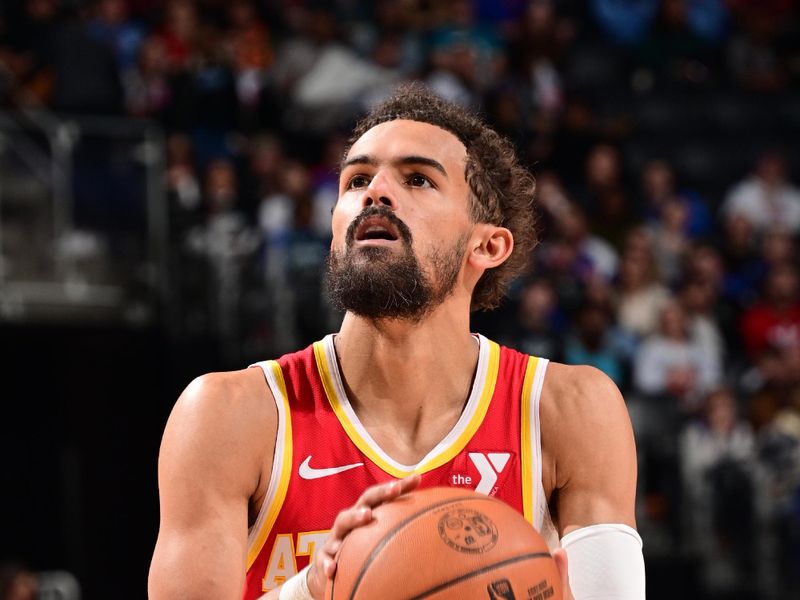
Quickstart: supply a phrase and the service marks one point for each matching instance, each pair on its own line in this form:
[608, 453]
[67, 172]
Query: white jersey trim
[281, 402]
[463, 421]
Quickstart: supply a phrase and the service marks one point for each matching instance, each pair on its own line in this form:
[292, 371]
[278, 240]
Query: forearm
[188, 567]
[605, 563]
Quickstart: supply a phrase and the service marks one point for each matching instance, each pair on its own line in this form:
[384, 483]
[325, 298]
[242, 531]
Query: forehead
[403, 137]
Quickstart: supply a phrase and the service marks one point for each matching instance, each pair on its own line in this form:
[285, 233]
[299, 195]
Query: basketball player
[264, 471]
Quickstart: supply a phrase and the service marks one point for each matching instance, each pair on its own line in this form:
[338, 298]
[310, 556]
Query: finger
[384, 492]
[329, 567]
[409, 483]
[346, 521]
[562, 563]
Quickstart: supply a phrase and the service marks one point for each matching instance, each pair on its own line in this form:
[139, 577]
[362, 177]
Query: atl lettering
[285, 552]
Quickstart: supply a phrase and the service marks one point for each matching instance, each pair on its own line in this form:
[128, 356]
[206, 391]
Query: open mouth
[376, 228]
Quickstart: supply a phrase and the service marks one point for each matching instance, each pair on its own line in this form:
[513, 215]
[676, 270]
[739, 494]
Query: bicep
[207, 473]
[596, 461]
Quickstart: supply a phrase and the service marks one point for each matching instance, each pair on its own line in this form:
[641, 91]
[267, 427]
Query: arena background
[167, 171]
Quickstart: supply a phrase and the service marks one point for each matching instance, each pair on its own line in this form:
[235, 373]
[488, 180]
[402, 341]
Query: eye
[357, 182]
[420, 181]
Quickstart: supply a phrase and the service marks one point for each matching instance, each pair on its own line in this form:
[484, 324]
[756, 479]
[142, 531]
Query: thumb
[562, 563]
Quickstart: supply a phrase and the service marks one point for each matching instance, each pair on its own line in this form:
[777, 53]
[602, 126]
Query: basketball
[445, 543]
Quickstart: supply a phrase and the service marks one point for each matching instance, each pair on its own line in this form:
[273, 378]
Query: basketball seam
[482, 570]
[391, 533]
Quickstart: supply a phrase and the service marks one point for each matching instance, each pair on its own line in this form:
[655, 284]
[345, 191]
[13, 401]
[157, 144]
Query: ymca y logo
[483, 472]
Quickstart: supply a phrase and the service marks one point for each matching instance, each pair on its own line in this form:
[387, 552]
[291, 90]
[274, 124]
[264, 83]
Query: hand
[357, 515]
[560, 556]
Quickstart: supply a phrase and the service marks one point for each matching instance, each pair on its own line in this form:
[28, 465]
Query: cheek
[340, 220]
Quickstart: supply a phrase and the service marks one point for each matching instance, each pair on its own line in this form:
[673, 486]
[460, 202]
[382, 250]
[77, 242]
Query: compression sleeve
[605, 563]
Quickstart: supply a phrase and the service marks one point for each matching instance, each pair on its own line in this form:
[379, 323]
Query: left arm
[590, 462]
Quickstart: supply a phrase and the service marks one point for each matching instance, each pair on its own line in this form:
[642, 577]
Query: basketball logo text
[541, 591]
[468, 531]
[500, 590]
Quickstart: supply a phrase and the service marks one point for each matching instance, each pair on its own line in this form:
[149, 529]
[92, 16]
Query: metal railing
[69, 249]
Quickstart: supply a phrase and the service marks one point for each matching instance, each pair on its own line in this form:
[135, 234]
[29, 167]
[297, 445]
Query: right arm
[217, 441]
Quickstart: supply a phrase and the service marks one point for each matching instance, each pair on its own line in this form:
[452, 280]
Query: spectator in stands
[754, 60]
[670, 240]
[467, 55]
[147, 84]
[276, 213]
[641, 295]
[539, 323]
[625, 22]
[777, 247]
[744, 267]
[704, 263]
[183, 184]
[535, 54]
[86, 77]
[658, 186]
[225, 240]
[771, 328]
[325, 185]
[112, 26]
[717, 456]
[587, 255]
[699, 298]
[325, 78]
[180, 33]
[779, 459]
[766, 198]
[26, 50]
[249, 43]
[670, 363]
[208, 98]
[392, 37]
[17, 583]
[678, 48]
[604, 196]
[748, 258]
[263, 160]
[592, 343]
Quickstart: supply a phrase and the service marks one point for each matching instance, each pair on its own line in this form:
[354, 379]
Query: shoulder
[582, 411]
[229, 399]
[241, 390]
[578, 391]
[228, 415]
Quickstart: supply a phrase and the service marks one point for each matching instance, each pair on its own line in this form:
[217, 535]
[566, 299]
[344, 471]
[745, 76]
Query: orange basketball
[445, 543]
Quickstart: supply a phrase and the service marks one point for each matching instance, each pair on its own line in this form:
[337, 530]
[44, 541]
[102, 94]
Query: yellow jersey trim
[526, 445]
[285, 469]
[325, 371]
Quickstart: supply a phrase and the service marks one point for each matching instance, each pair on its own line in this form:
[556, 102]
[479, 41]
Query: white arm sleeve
[605, 562]
[296, 587]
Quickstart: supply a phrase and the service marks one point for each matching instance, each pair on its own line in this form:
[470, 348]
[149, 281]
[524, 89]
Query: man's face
[401, 223]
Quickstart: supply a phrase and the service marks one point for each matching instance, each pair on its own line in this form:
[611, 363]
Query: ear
[491, 246]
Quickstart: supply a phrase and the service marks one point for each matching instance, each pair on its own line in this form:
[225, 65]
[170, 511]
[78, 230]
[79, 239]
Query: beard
[376, 282]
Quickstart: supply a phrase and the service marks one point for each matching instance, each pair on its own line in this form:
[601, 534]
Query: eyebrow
[365, 159]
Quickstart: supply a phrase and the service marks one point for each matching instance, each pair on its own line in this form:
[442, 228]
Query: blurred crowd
[660, 133]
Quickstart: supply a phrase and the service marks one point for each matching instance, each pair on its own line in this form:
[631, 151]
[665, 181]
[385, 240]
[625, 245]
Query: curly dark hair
[501, 190]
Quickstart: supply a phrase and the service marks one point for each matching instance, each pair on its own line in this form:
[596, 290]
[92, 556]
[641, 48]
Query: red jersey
[764, 328]
[325, 458]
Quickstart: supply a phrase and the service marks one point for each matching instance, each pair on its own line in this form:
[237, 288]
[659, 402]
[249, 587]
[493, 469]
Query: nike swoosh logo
[308, 472]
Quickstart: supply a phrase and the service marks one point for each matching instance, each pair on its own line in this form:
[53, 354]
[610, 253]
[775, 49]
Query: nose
[379, 192]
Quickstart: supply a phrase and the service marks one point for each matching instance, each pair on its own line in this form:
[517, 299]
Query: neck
[415, 376]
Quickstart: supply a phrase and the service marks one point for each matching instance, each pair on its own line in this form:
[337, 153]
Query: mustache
[378, 211]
